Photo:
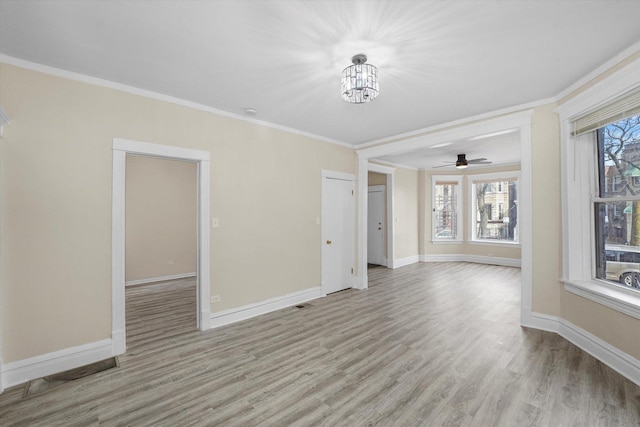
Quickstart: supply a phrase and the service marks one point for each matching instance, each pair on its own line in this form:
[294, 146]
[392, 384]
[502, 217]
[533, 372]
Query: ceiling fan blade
[478, 160]
[444, 166]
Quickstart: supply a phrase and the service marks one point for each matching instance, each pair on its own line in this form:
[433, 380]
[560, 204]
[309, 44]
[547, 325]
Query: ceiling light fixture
[462, 163]
[359, 81]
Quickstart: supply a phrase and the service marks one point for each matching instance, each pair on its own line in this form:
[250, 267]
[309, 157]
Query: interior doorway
[122, 148]
[161, 247]
[376, 224]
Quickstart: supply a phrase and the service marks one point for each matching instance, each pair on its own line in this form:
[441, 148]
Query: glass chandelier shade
[359, 81]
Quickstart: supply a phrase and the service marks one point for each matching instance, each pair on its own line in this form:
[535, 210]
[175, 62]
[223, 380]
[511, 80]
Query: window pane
[619, 158]
[500, 223]
[617, 222]
[445, 217]
[618, 242]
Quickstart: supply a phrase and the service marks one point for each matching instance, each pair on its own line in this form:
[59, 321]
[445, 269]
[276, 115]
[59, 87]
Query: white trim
[20, 372]
[158, 96]
[121, 148]
[460, 122]
[631, 50]
[160, 279]
[1, 377]
[477, 259]
[337, 175]
[449, 134]
[401, 262]
[626, 301]
[373, 167]
[118, 245]
[488, 242]
[364, 167]
[621, 362]
[238, 314]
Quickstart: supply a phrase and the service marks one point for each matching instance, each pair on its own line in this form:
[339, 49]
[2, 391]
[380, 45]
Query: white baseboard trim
[20, 372]
[401, 262]
[252, 310]
[160, 279]
[621, 362]
[478, 259]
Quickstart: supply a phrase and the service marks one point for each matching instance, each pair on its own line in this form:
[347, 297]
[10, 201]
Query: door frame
[458, 131]
[122, 147]
[383, 190]
[328, 174]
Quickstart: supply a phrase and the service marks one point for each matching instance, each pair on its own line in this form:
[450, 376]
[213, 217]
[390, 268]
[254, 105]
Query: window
[595, 228]
[446, 205]
[617, 212]
[489, 225]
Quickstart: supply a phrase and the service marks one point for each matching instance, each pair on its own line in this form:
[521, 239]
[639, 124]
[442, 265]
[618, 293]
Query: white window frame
[498, 176]
[459, 220]
[579, 185]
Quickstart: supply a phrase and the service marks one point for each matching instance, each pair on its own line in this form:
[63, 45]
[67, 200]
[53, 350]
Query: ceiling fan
[462, 162]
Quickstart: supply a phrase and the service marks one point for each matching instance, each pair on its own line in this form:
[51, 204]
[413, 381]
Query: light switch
[215, 222]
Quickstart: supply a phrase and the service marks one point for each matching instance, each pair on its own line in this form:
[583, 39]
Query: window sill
[446, 242]
[623, 300]
[495, 243]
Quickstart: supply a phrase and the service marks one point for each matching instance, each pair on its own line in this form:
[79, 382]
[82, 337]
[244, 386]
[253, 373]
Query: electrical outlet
[215, 298]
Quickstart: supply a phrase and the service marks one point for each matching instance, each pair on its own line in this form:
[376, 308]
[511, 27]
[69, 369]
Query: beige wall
[161, 218]
[546, 211]
[405, 202]
[56, 171]
[375, 178]
[466, 248]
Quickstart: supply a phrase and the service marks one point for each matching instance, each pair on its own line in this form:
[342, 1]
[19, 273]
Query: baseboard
[20, 372]
[621, 362]
[401, 262]
[160, 279]
[478, 259]
[252, 310]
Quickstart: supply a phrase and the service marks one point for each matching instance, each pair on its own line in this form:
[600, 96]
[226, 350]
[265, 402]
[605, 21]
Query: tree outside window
[489, 224]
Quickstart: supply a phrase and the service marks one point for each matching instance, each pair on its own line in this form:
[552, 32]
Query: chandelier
[359, 81]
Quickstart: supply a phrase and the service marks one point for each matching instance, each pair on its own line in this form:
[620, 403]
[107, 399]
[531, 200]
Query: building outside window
[488, 191]
[446, 206]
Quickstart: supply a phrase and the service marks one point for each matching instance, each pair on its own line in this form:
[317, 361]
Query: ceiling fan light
[461, 165]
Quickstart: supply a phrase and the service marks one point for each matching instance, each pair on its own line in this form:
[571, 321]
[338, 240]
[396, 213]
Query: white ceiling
[439, 61]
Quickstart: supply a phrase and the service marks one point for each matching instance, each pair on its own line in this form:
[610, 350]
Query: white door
[338, 234]
[376, 225]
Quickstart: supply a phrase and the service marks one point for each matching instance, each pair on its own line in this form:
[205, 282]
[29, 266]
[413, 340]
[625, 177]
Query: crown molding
[58, 72]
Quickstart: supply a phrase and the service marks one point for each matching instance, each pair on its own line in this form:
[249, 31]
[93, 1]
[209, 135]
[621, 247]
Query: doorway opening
[161, 248]
[121, 150]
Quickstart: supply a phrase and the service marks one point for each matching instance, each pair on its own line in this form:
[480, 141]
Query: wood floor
[427, 345]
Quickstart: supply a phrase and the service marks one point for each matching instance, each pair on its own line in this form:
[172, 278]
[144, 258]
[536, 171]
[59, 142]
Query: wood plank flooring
[429, 344]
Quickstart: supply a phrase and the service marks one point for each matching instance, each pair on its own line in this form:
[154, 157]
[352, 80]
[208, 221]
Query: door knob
[328, 242]
[379, 228]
